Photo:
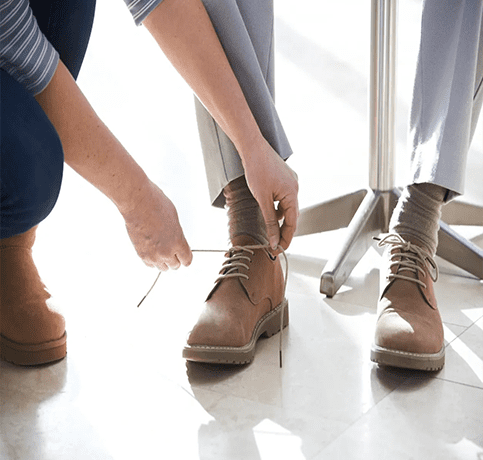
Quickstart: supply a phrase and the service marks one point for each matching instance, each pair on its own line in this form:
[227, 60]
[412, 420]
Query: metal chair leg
[369, 220]
[329, 215]
[365, 224]
[459, 213]
[459, 251]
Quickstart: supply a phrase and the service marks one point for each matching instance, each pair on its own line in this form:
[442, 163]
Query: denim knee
[31, 160]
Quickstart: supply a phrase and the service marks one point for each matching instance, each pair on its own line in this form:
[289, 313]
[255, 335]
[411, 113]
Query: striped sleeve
[25, 53]
[140, 9]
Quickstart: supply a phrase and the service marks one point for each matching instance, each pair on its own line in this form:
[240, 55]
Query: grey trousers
[448, 92]
[245, 29]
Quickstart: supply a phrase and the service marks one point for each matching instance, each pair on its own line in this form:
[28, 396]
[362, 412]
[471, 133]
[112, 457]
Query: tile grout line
[463, 331]
[457, 336]
[458, 383]
[359, 418]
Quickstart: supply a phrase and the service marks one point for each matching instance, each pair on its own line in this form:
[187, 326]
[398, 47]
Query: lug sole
[407, 360]
[32, 354]
[267, 326]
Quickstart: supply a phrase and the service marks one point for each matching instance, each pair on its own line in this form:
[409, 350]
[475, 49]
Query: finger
[271, 223]
[289, 227]
[280, 214]
[185, 255]
[287, 234]
[162, 266]
[173, 263]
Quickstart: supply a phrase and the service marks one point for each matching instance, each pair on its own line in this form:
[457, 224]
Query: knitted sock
[244, 214]
[417, 214]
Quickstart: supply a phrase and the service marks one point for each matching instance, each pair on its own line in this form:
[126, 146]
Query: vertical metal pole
[382, 94]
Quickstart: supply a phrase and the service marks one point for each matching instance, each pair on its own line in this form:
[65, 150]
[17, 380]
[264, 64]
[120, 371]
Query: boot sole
[267, 326]
[408, 360]
[32, 354]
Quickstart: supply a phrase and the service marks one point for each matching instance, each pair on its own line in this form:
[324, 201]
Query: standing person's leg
[250, 301]
[32, 332]
[245, 29]
[446, 104]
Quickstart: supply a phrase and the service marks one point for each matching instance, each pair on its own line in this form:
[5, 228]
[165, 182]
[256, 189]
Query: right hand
[155, 231]
[271, 180]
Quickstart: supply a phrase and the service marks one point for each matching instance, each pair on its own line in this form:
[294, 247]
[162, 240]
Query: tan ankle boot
[247, 302]
[409, 330]
[31, 332]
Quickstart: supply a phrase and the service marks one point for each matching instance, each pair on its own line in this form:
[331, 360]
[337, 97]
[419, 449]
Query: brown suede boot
[247, 302]
[409, 330]
[31, 332]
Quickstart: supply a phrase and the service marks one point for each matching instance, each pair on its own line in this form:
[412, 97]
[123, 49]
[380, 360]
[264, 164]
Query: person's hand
[271, 180]
[155, 231]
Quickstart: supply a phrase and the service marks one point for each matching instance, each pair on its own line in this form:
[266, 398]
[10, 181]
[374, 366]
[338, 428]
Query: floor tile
[464, 355]
[423, 418]
[242, 429]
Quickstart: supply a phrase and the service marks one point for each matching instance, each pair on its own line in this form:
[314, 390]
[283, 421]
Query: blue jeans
[31, 154]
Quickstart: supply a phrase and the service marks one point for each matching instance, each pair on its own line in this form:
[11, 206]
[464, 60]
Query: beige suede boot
[409, 330]
[31, 332]
[248, 300]
[246, 303]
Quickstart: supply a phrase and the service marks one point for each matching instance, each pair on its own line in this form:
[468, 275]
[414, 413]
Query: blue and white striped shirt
[26, 54]
[140, 9]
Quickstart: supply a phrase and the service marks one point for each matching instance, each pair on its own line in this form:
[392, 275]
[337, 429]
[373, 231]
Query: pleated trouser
[448, 92]
[245, 29]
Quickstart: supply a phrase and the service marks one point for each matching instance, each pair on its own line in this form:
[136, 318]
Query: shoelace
[408, 258]
[236, 256]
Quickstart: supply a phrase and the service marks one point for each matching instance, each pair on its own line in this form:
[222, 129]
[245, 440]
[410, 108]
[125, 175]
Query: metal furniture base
[366, 213]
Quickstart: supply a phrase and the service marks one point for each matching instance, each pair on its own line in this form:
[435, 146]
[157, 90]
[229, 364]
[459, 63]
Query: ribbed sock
[417, 214]
[244, 214]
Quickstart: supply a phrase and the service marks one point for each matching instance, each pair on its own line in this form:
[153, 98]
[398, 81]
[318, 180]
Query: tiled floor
[124, 392]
